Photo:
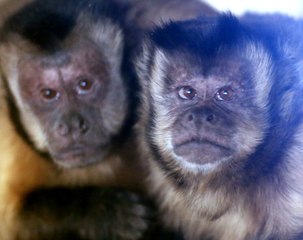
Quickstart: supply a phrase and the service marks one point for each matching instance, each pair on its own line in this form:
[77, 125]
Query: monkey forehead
[70, 64]
[222, 68]
[83, 51]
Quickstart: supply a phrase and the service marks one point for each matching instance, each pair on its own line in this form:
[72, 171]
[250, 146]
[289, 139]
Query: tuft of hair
[199, 36]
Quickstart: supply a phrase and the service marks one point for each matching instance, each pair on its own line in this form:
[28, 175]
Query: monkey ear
[143, 60]
[150, 57]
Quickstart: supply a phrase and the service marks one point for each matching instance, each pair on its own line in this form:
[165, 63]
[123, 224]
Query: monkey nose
[197, 117]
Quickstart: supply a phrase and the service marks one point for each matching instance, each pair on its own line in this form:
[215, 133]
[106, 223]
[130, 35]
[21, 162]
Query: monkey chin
[80, 156]
[202, 151]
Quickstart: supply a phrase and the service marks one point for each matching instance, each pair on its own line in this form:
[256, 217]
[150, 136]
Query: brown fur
[24, 170]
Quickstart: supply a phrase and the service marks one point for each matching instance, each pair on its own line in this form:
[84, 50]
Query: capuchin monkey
[221, 126]
[66, 119]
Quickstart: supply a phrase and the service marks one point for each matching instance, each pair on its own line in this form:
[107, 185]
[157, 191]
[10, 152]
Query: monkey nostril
[79, 124]
[190, 117]
[84, 127]
[210, 118]
[63, 129]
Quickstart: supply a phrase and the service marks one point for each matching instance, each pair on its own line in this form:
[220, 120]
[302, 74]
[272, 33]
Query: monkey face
[65, 80]
[69, 96]
[204, 112]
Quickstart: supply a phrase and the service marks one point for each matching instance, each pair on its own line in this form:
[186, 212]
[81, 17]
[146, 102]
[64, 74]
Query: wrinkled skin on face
[68, 95]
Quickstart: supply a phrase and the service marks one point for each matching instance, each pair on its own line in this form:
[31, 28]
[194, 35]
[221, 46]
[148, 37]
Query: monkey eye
[187, 92]
[225, 94]
[84, 85]
[49, 94]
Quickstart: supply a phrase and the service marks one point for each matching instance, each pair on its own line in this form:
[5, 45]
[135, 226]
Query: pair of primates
[218, 137]
[68, 164]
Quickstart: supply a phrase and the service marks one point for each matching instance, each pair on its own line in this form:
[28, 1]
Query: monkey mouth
[80, 155]
[202, 151]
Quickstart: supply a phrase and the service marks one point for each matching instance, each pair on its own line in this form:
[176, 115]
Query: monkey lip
[79, 155]
[202, 151]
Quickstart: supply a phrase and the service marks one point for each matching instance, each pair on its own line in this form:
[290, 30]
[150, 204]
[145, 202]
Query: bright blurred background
[289, 7]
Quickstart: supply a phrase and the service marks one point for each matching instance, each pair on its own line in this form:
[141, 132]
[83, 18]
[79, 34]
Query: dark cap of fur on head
[46, 23]
[202, 36]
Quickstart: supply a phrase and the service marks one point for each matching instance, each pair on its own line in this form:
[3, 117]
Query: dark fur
[150, 13]
[50, 22]
[232, 169]
[92, 213]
